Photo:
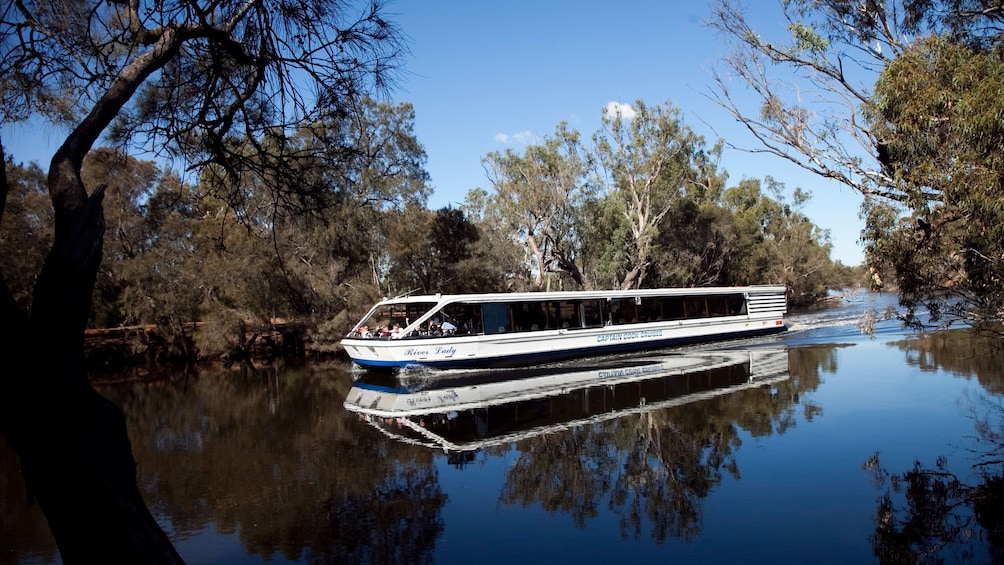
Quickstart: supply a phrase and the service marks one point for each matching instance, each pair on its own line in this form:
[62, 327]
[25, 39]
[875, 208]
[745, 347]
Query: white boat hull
[521, 349]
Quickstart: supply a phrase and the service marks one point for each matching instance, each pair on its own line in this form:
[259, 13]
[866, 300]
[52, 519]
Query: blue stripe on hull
[510, 361]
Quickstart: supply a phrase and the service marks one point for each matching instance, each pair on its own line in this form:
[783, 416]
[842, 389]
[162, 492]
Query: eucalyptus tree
[369, 166]
[651, 159]
[537, 194]
[936, 114]
[192, 80]
[696, 245]
[306, 254]
[130, 184]
[505, 268]
[26, 229]
[606, 241]
[776, 242]
[897, 100]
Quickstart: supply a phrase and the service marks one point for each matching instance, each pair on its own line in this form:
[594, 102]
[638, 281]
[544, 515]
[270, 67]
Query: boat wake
[845, 320]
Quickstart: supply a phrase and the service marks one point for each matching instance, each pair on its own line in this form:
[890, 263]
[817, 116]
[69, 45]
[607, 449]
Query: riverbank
[138, 346]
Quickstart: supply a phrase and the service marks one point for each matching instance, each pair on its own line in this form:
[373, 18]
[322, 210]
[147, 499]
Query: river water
[818, 445]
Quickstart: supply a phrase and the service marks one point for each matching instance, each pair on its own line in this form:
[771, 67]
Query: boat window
[592, 313]
[381, 321]
[542, 315]
[649, 310]
[696, 306]
[460, 318]
[528, 316]
[496, 318]
[553, 311]
[568, 315]
[717, 306]
[736, 304]
[623, 311]
[726, 305]
[672, 308]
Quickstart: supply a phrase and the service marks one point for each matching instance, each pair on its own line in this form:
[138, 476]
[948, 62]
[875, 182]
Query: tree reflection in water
[658, 466]
[590, 447]
[928, 514]
[276, 459]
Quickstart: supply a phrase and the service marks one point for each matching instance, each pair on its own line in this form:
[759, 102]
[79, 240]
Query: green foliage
[607, 239]
[26, 229]
[430, 252]
[653, 160]
[222, 334]
[537, 195]
[176, 255]
[901, 101]
[130, 186]
[938, 115]
[776, 242]
[806, 39]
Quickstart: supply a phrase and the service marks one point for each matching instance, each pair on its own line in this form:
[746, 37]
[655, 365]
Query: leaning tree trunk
[74, 451]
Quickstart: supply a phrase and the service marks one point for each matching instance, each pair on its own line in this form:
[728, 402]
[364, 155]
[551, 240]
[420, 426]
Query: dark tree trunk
[567, 265]
[75, 455]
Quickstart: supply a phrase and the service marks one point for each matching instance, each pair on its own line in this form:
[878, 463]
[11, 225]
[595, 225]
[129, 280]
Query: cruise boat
[468, 411]
[520, 329]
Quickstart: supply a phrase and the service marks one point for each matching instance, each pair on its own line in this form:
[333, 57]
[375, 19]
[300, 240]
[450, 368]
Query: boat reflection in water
[467, 411]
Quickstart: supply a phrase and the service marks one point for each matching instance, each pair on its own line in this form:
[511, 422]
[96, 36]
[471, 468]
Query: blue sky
[484, 76]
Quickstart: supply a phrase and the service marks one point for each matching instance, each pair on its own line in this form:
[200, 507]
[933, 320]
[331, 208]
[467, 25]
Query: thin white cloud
[613, 108]
[522, 138]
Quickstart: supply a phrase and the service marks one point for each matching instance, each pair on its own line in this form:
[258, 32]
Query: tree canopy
[537, 193]
[900, 101]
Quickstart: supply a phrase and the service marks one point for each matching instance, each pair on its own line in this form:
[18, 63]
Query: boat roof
[579, 294]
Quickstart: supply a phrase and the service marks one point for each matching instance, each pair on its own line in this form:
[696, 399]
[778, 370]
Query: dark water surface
[741, 462]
